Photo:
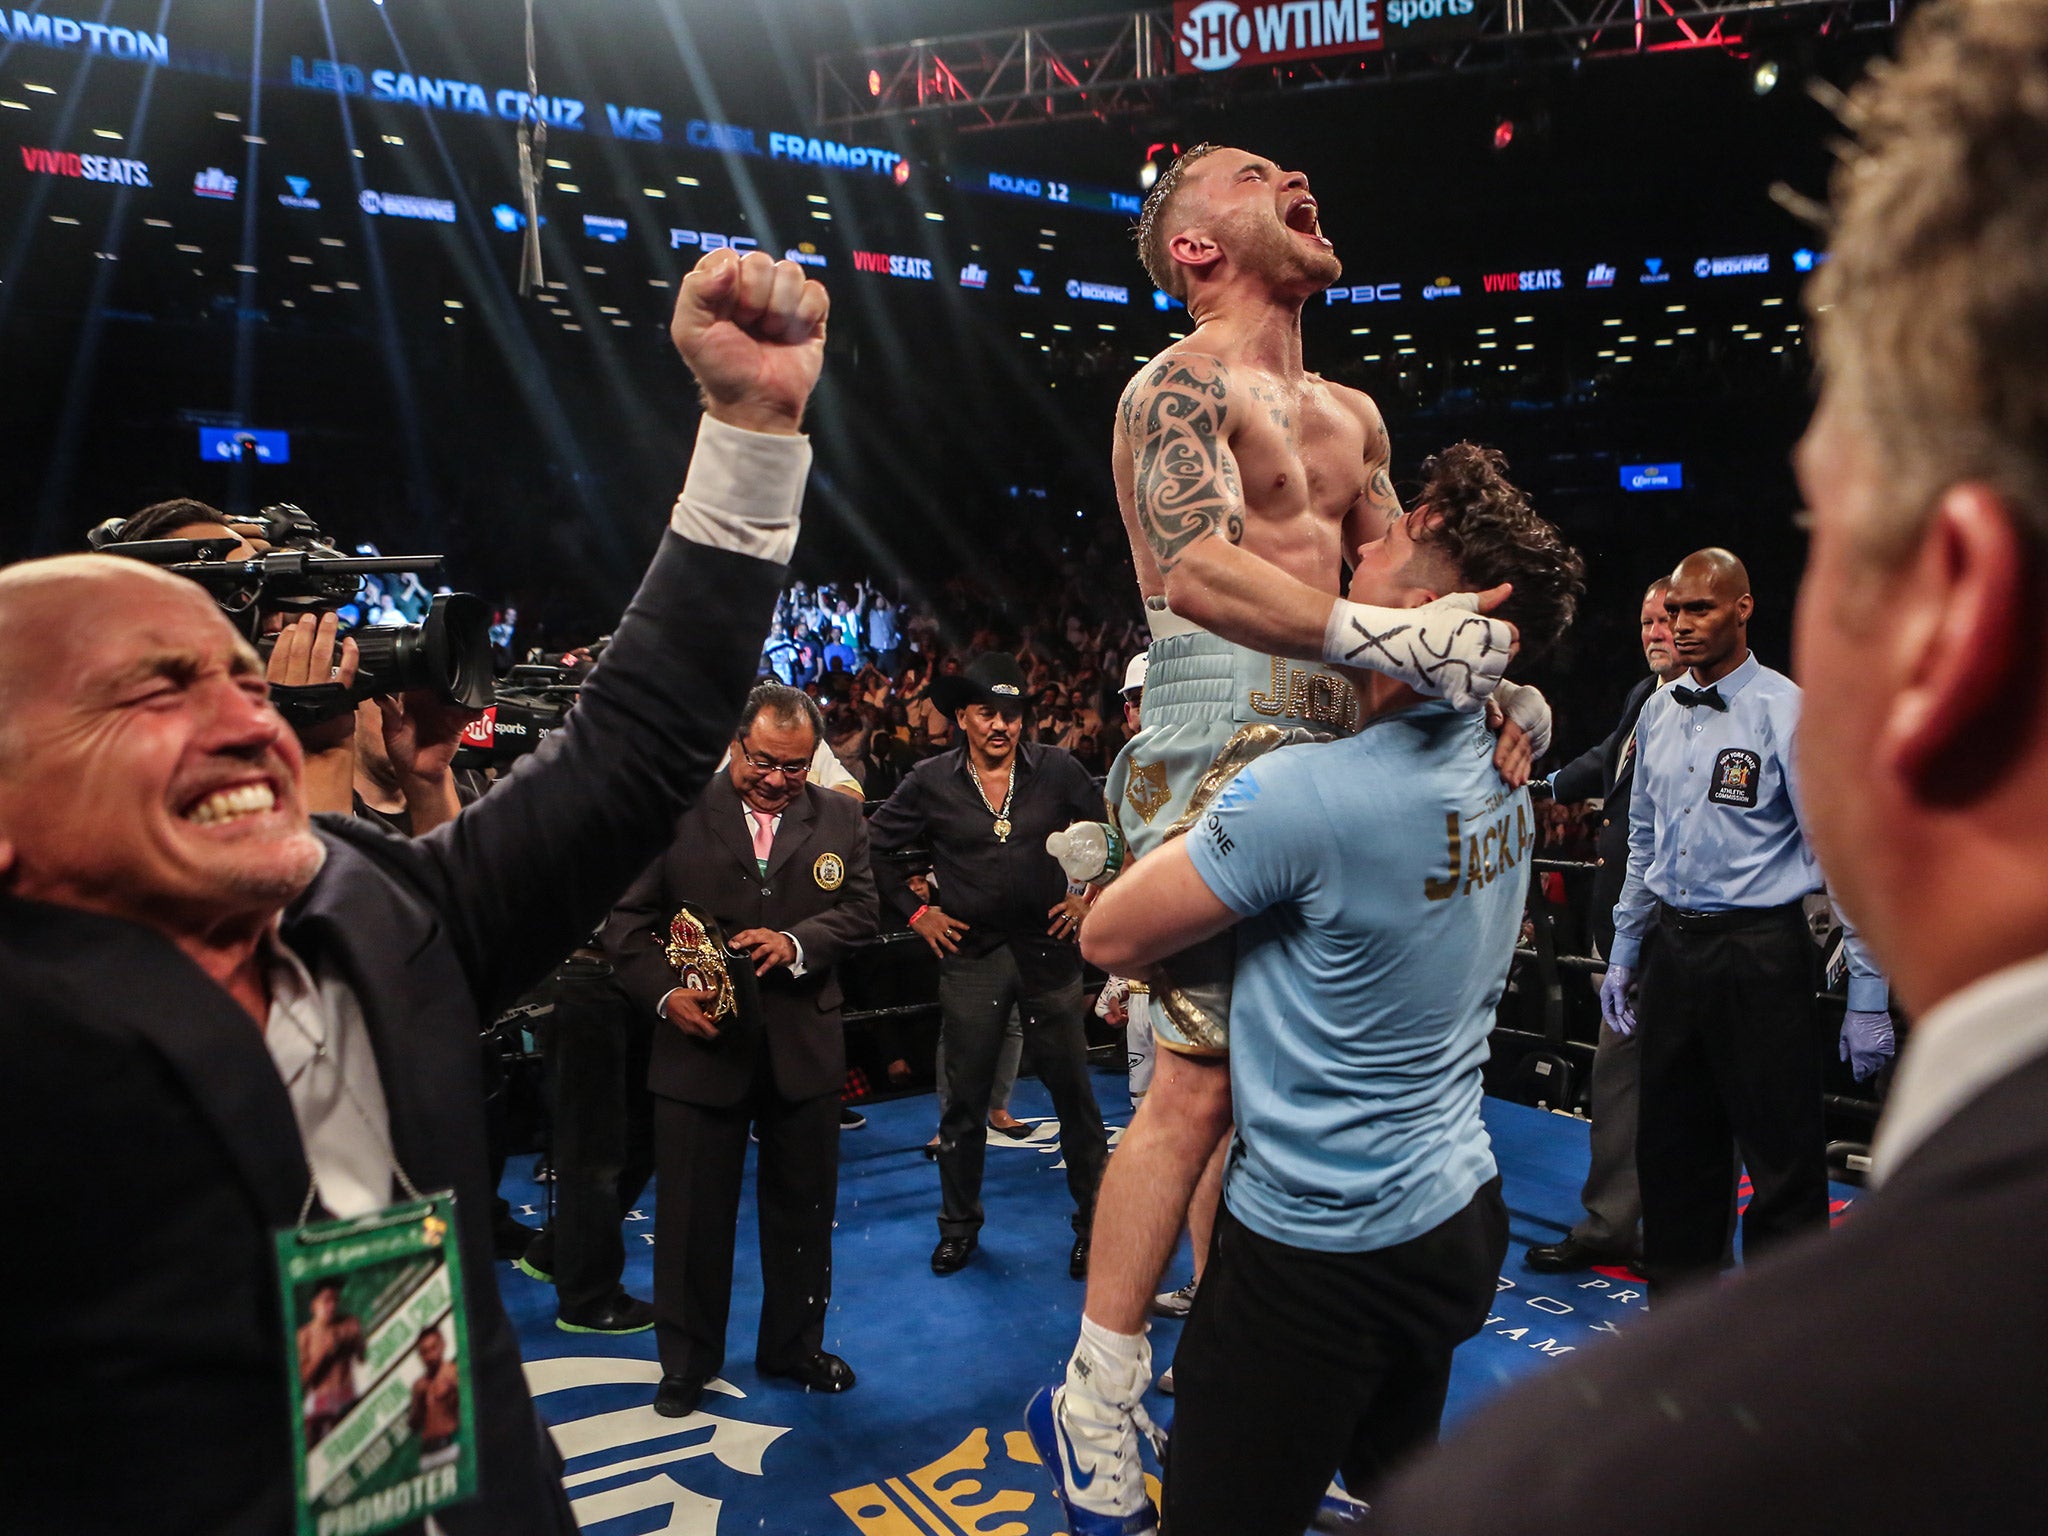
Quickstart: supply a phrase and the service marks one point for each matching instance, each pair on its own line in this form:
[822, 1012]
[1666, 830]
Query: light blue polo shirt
[1381, 881]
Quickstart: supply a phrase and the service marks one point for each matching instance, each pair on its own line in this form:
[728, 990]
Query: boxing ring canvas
[930, 1442]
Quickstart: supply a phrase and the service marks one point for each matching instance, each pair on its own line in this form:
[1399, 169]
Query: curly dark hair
[1481, 522]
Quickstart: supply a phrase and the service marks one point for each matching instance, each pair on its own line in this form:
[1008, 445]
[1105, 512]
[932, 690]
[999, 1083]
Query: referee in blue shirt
[1719, 862]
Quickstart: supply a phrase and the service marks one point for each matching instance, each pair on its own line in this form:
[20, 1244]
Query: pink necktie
[764, 833]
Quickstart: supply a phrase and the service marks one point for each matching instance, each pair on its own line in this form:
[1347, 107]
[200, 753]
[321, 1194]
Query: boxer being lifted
[1243, 479]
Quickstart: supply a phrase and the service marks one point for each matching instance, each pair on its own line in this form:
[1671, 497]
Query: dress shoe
[678, 1396]
[510, 1238]
[1009, 1125]
[617, 1313]
[818, 1373]
[1077, 1260]
[538, 1262]
[1569, 1256]
[851, 1119]
[952, 1253]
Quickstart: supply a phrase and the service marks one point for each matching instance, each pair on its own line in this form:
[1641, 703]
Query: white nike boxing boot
[1088, 1431]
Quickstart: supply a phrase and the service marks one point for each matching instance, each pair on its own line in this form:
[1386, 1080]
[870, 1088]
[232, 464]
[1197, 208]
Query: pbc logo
[709, 240]
[1736, 772]
[1364, 293]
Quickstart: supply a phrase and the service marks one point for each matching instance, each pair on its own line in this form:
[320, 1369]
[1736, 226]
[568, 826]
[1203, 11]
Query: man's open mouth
[1303, 218]
[231, 804]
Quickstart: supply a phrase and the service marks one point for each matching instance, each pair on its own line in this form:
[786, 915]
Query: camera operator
[404, 762]
[162, 890]
[184, 518]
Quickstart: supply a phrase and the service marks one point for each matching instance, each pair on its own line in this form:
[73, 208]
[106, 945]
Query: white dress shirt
[1989, 1029]
[321, 1047]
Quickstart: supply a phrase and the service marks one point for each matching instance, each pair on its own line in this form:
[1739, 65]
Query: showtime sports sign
[1213, 35]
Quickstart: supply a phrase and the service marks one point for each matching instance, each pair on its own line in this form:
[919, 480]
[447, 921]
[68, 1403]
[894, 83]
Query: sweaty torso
[1306, 453]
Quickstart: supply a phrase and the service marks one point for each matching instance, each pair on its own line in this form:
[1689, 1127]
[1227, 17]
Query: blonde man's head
[1156, 225]
[1932, 309]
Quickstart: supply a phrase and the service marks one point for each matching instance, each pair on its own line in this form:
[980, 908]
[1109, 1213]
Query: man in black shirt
[985, 809]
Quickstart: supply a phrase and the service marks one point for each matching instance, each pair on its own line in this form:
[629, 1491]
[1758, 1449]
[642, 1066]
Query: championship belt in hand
[704, 963]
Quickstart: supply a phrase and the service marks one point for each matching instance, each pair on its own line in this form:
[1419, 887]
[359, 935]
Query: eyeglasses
[769, 765]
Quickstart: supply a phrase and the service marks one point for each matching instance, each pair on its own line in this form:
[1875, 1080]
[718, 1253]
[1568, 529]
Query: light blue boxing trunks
[1210, 707]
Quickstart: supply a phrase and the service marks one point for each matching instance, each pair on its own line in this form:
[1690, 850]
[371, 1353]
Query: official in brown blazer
[782, 867]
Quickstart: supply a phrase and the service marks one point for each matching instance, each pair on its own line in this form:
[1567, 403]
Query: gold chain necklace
[1003, 816]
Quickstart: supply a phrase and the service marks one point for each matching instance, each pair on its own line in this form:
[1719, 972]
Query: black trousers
[603, 1142]
[1729, 1053]
[1296, 1364]
[701, 1154]
[976, 995]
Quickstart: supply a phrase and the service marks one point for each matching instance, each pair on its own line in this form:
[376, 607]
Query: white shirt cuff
[796, 967]
[744, 491]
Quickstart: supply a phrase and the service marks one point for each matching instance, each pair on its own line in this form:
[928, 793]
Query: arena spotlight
[874, 82]
[1503, 133]
[1765, 80]
[1157, 158]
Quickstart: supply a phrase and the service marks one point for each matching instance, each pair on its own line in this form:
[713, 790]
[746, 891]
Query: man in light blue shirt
[1377, 885]
[1719, 862]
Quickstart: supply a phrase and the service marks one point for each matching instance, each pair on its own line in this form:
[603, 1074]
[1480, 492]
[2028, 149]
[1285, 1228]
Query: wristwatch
[1541, 789]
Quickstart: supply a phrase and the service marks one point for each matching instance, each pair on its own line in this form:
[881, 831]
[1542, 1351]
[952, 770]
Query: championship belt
[703, 962]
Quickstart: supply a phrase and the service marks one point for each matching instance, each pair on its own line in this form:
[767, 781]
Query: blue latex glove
[1867, 1042]
[1617, 1009]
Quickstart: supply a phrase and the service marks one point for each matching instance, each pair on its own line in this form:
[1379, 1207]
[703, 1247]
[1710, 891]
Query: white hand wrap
[1524, 706]
[1446, 649]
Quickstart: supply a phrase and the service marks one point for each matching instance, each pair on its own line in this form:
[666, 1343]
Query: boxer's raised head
[1228, 215]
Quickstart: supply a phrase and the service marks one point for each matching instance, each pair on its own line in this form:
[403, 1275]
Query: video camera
[449, 652]
[533, 701]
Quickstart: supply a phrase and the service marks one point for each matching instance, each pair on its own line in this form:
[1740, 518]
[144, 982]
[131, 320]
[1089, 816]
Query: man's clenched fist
[752, 330]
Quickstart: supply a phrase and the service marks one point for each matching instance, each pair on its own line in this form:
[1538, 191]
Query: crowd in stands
[869, 661]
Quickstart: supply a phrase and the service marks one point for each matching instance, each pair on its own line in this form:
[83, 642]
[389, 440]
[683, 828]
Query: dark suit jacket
[142, 1348]
[711, 863]
[1598, 771]
[1885, 1377]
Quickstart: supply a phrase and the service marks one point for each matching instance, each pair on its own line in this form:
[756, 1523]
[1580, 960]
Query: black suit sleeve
[636, 938]
[530, 870]
[897, 823]
[1585, 775]
[852, 919]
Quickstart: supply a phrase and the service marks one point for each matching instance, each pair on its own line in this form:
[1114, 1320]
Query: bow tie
[1709, 696]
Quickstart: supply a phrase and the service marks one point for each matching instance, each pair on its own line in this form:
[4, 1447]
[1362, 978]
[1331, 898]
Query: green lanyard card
[377, 1358]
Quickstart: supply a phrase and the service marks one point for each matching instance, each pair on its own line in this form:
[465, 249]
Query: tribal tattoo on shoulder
[1187, 486]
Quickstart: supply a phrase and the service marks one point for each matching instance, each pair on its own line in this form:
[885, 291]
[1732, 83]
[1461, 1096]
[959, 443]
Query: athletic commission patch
[1736, 772]
[829, 871]
[1147, 790]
